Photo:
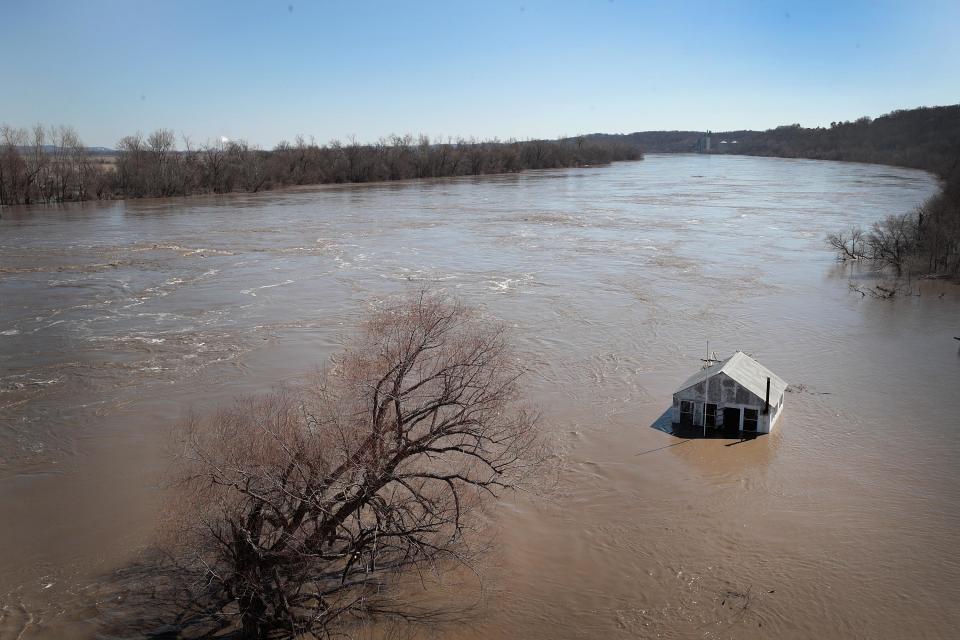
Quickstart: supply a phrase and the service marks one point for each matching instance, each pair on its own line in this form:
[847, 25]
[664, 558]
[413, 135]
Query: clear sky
[266, 70]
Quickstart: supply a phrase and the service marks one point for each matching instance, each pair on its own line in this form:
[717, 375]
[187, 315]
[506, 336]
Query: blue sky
[266, 70]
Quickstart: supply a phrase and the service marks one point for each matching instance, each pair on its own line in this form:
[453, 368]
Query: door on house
[731, 418]
[686, 414]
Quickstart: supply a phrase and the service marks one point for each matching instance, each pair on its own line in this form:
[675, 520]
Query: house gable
[720, 389]
[746, 372]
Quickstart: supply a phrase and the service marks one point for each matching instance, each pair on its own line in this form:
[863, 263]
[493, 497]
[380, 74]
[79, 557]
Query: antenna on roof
[709, 361]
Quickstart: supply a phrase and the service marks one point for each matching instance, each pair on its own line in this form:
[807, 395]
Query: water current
[117, 318]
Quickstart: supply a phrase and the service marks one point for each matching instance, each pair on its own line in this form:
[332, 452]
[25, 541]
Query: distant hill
[923, 138]
[93, 151]
[656, 141]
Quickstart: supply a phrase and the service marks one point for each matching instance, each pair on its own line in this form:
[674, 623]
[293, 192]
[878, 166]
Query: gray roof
[749, 373]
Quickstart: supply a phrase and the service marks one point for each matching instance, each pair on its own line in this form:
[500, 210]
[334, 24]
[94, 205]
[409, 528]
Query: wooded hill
[925, 241]
[923, 138]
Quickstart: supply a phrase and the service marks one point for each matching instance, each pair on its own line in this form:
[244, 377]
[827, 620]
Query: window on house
[750, 419]
[686, 412]
[710, 415]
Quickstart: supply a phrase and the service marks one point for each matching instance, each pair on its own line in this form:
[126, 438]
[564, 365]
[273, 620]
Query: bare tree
[161, 145]
[35, 161]
[849, 245]
[423, 157]
[79, 162]
[214, 159]
[59, 174]
[188, 169]
[131, 166]
[12, 165]
[248, 165]
[892, 240]
[301, 507]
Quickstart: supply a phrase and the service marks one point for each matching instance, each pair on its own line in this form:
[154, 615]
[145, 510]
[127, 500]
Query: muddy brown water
[116, 318]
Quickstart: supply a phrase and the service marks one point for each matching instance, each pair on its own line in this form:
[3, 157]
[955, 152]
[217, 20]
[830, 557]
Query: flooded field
[117, 318]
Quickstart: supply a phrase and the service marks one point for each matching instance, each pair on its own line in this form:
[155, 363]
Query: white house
[736, 394]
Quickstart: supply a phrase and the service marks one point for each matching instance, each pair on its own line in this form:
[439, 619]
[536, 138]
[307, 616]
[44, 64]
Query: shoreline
[296, 188]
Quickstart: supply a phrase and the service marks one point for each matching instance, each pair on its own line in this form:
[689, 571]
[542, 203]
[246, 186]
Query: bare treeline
[48, 165]
[926, 240]
[52, 165]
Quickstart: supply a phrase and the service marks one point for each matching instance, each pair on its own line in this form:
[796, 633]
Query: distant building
[704, 143]
[736, 394]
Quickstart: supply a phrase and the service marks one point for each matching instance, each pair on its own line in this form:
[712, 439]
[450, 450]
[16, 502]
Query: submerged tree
[849, 245]
[301, 507]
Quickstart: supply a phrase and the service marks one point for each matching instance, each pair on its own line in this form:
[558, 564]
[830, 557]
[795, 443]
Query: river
[117, 318]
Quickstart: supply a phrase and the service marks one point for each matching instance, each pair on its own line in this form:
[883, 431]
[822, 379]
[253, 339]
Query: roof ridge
[730, 366]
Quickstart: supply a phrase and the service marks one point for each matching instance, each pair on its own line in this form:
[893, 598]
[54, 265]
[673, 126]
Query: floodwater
[117, 318]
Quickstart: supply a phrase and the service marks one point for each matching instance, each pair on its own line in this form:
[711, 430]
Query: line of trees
[922, 138]
[45, 165]
[925, 240]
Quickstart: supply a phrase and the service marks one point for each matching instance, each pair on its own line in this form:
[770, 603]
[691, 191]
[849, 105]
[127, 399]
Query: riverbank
[924, 242]
[33, 172]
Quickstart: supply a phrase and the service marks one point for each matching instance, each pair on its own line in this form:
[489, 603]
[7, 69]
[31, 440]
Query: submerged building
[736, 394]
